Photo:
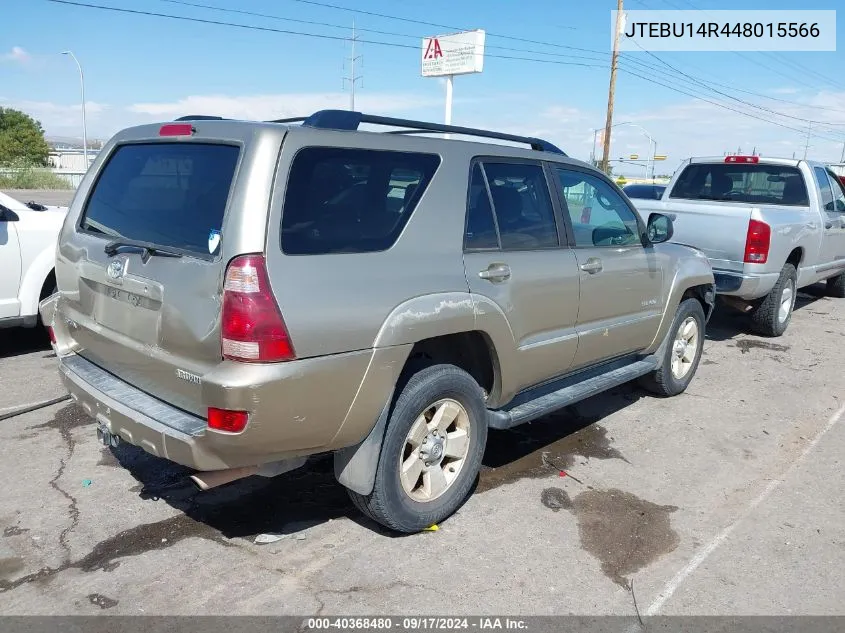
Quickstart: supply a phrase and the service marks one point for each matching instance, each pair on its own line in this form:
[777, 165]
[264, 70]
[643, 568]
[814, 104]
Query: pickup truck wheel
[682, 353]
[772, 316]
[431, 453]
[836, 286]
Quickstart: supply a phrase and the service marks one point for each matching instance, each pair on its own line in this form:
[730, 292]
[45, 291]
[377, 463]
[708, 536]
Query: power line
[751, 59]
[411, 20]
[519, 50]
[268, 16]
[251, 27]
[404, 46]
[719, 92]
[722, 105]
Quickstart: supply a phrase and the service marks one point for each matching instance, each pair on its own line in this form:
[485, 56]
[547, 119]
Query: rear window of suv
[748, 183]
[341, 200]
[170, 194]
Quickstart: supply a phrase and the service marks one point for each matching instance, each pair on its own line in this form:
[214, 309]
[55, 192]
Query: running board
[576, 388]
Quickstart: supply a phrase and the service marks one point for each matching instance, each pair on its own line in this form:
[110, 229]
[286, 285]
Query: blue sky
[141, 68]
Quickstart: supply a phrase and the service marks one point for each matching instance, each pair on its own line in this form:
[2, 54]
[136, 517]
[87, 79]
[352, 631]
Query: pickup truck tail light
[252, 327]
[742, 159]
[757, 242]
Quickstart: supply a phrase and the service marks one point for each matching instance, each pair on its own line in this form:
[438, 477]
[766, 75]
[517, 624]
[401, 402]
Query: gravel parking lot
[725, 500]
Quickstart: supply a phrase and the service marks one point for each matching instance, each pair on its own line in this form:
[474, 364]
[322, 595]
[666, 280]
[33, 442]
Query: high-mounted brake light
[742, 159]
[225, 420]
[757, 242]
[252, 328]
[176, 129]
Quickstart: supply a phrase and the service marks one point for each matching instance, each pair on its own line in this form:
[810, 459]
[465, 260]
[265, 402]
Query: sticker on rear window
[213, 240]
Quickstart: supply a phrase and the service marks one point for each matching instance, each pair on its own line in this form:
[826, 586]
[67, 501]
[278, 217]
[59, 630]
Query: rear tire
[684, 344]
[836, 286]
[772, 316]
[426, 469]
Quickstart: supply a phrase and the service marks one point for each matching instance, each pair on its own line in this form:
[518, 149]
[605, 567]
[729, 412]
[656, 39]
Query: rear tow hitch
[105, 436]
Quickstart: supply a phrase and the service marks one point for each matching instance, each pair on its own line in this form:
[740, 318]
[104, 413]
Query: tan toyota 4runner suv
[235, 296]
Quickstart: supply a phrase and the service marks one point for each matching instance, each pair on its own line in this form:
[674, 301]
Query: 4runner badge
[185, 375]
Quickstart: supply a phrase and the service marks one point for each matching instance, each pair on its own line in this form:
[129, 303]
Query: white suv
[27, 258]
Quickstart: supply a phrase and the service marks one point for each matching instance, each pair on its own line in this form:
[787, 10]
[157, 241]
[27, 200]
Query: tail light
[252, 329]
[225, 420]
[757, 242]
[52, 334]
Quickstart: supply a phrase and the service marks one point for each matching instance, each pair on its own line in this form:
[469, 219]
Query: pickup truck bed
[754, 218]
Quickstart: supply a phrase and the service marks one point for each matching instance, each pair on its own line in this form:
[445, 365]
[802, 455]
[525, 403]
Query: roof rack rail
[350, 120]
[200, 117]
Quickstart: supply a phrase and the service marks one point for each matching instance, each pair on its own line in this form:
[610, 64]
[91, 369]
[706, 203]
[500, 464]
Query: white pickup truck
[769, 227]
[28, 234]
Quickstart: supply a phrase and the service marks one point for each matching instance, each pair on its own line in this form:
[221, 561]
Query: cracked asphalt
[725, 500]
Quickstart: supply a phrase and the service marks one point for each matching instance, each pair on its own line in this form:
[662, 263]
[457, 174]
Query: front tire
[773, 315]
[431, 452]
[836, 286]
[682, 354]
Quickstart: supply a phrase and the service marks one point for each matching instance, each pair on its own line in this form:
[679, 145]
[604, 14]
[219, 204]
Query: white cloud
[277, 106]
[688, 128]
[17, 54]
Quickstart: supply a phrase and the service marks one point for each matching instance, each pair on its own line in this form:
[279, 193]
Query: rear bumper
[744, 285]
[298, 408]
[136, 417]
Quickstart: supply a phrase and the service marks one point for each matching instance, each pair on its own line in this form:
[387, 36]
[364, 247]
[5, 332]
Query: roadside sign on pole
[454, 54]
[450, 55]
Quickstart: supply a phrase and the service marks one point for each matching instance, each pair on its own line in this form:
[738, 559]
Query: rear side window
[524, 217]
[170, 194]
[748, 183]
[824, 188]
[350, 200]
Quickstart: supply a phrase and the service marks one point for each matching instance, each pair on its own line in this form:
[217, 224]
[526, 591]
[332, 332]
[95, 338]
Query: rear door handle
[496, 272]
[592, 266]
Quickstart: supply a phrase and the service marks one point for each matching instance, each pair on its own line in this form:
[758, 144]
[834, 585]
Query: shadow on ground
[15, 341]
[728, 323]
[310, 495]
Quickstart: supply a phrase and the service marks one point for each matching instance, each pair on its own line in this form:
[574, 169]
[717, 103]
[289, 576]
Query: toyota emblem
[115, 270]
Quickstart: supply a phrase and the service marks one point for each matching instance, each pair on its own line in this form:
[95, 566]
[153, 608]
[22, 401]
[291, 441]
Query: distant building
[69, 163]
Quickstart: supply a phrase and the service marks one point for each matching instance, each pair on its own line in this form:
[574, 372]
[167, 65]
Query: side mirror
[659, 228]
[7, 215]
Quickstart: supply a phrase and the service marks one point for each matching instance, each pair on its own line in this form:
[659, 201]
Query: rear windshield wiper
[149, 249]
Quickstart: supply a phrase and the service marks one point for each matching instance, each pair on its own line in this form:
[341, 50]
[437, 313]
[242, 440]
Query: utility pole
[614, 62]
[352, 78]
[807, 144]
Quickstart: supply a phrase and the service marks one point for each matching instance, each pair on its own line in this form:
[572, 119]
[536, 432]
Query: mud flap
[355, 466]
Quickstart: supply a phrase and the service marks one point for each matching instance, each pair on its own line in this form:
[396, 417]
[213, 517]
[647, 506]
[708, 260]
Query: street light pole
[84, 125]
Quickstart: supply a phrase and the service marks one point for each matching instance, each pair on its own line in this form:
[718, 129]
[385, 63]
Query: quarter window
[351, 201]
[524, 217]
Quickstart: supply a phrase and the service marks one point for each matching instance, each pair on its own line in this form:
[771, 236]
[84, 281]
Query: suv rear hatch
[141, 264]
